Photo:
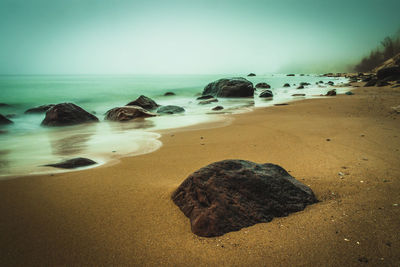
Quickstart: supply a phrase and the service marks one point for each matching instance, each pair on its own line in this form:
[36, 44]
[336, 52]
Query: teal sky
[189, 37]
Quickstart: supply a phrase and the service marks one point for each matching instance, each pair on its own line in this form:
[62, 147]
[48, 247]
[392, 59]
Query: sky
[190, 37]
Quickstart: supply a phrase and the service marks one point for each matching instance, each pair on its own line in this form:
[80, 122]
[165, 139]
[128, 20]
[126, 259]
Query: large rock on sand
[73, 163]
[144, 102]
[4, 120]
[228, 195]
[389, 74]
[127, 113]
[67, 114]
[232, 87]
[39, 109]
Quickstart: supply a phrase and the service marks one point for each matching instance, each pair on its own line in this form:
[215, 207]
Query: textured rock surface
[331, 93]
[39, 109]
[73, 163]
[144, 102]
[127, 113]
[170, 109]
[389, 74]
[67, 114]
[233, 87]
[228, 195]
[4, 120]
[266, 93]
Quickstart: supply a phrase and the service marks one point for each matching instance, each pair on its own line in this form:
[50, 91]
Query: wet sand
[122, 214]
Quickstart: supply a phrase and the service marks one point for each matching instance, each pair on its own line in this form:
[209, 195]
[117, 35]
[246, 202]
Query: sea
[26, 146]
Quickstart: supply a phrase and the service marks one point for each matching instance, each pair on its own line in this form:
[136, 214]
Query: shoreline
[122, 214]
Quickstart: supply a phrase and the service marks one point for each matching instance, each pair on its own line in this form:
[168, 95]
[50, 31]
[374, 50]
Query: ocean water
[25, 146]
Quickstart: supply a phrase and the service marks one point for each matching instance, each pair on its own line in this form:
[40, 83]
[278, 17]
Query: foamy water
[26, 146]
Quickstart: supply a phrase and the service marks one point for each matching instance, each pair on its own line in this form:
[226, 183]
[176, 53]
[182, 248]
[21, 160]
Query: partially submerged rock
[291, 74]
[263, 85]
[286, 85]
[331, 93]
[67, 114]
[299, 95]
[218, 108]
[208, 101]
[232, 87]
[169, 94]
[204, 97]
[228, 195]
[349, 93]
[73, 163]
[4, 120]
[300, 87]
[170, 109]
[39, 109]
[127, 113]
[251, 74]
[144, 102]
[266, 93]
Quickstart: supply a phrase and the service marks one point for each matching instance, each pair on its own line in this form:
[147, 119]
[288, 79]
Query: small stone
[395, 205]
[340, 173]
[328, 139]
[347, 240]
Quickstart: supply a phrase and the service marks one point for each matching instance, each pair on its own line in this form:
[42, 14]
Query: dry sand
[122, 214]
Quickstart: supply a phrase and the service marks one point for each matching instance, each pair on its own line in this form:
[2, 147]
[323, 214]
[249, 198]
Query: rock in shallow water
[67, 114]
[4, 120]
[144, 102]
[232, 87]
[127, 113]
[73, 163]
[266, 93]
[170, 109]
[228, 195]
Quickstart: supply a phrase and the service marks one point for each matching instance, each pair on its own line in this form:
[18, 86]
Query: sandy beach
[346, 148]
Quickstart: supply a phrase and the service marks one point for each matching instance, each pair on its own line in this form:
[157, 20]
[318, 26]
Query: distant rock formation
[67, 114]
[228, 195]
[263, 85]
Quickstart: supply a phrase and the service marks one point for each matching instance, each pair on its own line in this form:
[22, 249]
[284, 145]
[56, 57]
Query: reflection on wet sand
[71, 142]
[132, 125]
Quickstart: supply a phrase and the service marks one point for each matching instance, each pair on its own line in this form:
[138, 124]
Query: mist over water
[25, 145]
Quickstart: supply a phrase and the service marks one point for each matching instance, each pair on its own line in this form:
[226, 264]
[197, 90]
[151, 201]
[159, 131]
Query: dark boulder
[286, 85]
[170, 109]
[300, 87]
[4, 120]
[208, 101]
[233, 87]
[73, 163]
[263, 85]
[331, 93]
[218, 108]
[67, 114]
[349, 93]
[144, 102]
[305, 83]
[382, 83]
[127, 113]
[370, 83]
[228, 195]
[169, 94]
[291, 74]
[320, 82]
[251, 74]
[266, 93]
[299, 95]
[4, 105]
[330, 83]
[204, 97]
[39, 109]
[388, 74]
